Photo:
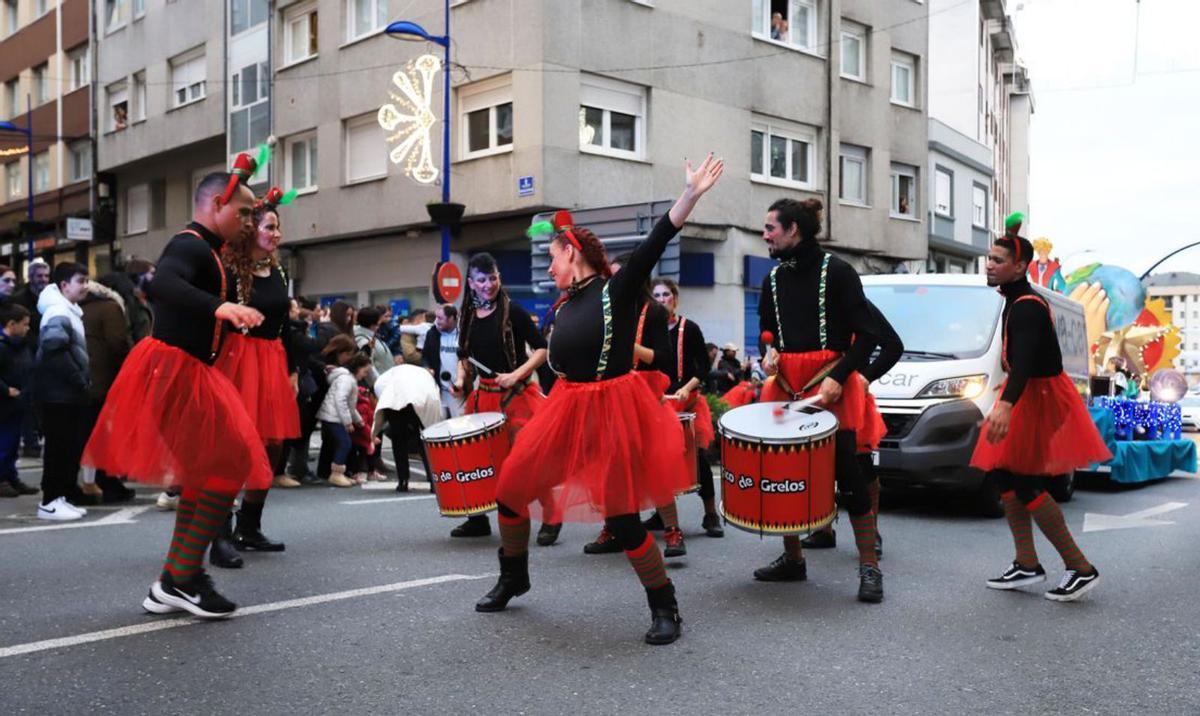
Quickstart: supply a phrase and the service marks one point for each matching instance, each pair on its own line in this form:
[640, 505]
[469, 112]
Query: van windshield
[940, 321]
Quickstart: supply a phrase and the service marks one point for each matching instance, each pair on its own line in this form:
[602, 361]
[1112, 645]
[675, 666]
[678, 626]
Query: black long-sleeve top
[695, 354]
[1031, 347]
[798, 281]
[486, 342]
[655, 336]
[269, 296]
[579, 331]
[891, 348]
[186, 292]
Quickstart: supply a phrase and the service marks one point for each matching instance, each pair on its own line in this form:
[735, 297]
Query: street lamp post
[27, 130]
[405, 30]
[1160, 261]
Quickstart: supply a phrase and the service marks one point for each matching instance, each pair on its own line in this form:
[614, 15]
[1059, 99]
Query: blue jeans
[335, 435]
[10, 440]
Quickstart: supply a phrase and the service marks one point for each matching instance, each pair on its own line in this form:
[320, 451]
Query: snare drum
[688, 422]
[777, 474]
[465, 455]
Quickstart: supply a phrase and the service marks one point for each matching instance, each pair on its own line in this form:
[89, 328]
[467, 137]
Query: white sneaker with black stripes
[1017, 576]
[1074, 584]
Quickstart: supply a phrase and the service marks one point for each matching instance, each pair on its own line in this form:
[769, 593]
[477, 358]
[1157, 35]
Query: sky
[1115, 156]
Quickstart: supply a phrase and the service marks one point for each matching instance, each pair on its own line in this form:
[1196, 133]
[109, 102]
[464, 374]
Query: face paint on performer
[1001, 268]
[485, 285]
[662, 293]
[270, 233]
[776, 237]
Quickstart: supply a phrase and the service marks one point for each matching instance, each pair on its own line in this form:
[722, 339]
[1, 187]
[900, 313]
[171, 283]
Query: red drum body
[777, 473]
[688, 422]
[465, 455]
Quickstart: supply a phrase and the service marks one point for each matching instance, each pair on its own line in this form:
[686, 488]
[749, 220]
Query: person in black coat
[310, 373]
[16, 367]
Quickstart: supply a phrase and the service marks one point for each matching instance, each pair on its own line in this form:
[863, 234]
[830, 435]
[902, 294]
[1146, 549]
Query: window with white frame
[364, 17]
[486, 116]
[118, 106]
[12, 21]
[139, 96]
[12, 98]
[853, 170]
[904, 191]
[904, 79]
[300, 162]
[366, 149]
[792, 22]
[40, 7]
[300, 34]
[612, 117]
[854, 51]
[979, 200]
[783, 153]
[943, 192]
[41, 84]
[116, 14]
[250, 106]
[81, 160]
[245, 14]
[137, 209]
[41, 172]
[12, 179]
[139, 9]
[189, 75]
[80, 70]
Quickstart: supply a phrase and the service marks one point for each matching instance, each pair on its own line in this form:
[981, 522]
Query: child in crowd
[339, 414]
[15, 368]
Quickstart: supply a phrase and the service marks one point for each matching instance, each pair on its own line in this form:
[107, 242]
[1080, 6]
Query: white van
[934, 399]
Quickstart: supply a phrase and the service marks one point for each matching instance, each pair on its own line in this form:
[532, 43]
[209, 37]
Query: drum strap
[1004, 343]
[606, 346]
[821, 313]
[637, 339]
[679, 350]
[216, 339]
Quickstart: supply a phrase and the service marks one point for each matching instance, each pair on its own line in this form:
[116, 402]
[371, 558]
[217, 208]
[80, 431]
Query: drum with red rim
[465, 455]
[688, 422]
[777, 472]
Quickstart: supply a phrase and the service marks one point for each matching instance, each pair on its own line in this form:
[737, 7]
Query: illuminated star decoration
[410, 119]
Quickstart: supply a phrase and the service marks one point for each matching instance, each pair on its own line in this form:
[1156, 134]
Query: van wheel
[987, 498]
[1062, 487]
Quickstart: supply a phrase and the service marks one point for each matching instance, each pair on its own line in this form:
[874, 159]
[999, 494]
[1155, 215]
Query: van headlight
[968, 386]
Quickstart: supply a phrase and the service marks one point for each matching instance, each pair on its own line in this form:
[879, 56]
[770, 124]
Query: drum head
[757, 423]
[464, 426]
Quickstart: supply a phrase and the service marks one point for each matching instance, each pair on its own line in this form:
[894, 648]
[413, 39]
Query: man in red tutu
[1038, 428]
[822, 333]
[171, 417]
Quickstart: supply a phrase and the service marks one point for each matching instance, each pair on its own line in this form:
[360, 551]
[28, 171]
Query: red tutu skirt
[1050, 433]
[596, 450]
[874, 429]
[739, 395]
[172, 420]
[257, 367]
[797, 369]
[518, 412]
[698, 404]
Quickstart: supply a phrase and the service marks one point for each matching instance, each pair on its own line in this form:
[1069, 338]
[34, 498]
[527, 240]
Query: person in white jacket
[409, 400]
[338, 415]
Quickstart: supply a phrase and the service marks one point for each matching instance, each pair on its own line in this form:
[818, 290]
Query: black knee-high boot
[665, 624]
[513, 582]
[222, 553]
[248, 535]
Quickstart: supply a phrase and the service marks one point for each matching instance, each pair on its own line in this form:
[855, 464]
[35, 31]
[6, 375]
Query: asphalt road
[940, 642]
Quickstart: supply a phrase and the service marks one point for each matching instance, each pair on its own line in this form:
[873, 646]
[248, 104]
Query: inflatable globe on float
[1126, 294]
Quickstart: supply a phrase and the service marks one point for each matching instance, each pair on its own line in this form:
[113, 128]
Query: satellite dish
[1167, 386]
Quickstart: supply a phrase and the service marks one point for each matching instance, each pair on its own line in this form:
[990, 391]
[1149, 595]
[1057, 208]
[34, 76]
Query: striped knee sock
[514, 535]
[184, 509]
[873, 494]
[1050, 520]
[208, 511]
[1021, 526]
[669, 514]
[647, 561]
[864, 537]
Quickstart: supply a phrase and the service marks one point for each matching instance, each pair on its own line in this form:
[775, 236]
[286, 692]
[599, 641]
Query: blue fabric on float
[1142, 460]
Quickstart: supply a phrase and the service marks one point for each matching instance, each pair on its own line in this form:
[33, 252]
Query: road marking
[153, 626]
[381, 500]
[1095, 522]
[122, 516]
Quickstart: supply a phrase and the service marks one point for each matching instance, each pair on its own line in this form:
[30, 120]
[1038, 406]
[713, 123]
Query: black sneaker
[152, 605]
[782, 570]
[654, 523]
[196, 594]
[22, 488]
[1073, 585]
[473, 527]
[548, 534]
[821, 539]
[605, 544]
[712, 526]
[1017, 576]
[676, 547]
[870, 584]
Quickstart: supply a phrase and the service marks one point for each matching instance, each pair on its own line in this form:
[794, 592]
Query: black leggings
[404, 430]
[851, 482]
[704, 476]
[1027, 487]
[627, 529]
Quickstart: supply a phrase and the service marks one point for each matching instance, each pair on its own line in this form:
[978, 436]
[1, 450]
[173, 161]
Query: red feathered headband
[244, 167]
[563, 224]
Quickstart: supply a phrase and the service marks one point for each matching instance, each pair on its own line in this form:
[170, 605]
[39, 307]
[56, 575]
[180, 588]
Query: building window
[12, 98]
[11, 19]
[854, 52]
[41, 84]
[853, 169]
[81, 160]
[793, 22]
[612, 118]
[364, 17]
[245, 14]
[979, 200]
[300, 160]
[12, 179]
[41, 172]
[300, 34]
[139, 9]
[250, 115]
[366, 150]
[41, 7]
[904, 191]
[188, 77]
[118, 106]
[80, 72]
[783, 153]
[943, 193]
[904, 79]
[137, 209]
[139, 97]
[486, 116]
[116, 13]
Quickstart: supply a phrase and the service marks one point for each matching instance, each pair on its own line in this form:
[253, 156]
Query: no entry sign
[447, 282]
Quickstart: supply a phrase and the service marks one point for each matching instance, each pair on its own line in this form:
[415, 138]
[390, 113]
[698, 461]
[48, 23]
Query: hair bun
[812, 204]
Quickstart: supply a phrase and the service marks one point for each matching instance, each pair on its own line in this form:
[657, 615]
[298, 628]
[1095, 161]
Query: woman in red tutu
[171, 417]
[258, 364]
[494, 334]
[602, 445]
[1038, 429]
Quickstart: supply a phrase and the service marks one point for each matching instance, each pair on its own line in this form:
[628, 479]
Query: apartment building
[1180, 292]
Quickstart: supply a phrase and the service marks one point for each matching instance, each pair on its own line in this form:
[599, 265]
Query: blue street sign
[524, 186]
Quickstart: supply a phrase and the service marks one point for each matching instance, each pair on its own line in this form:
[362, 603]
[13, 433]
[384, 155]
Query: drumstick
[795, 406]
[481, 366]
